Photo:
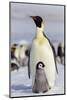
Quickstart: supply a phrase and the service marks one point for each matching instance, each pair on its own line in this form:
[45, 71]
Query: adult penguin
[42, 50]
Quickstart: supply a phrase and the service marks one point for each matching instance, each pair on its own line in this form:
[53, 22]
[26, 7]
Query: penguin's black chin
[38, 20]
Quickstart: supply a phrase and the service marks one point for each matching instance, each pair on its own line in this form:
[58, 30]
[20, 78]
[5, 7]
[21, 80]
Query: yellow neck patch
[40, 38]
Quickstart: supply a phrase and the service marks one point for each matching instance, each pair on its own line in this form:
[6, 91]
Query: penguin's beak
[33, 17]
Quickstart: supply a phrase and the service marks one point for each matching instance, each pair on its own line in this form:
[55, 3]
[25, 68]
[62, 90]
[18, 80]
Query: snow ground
[21, 84]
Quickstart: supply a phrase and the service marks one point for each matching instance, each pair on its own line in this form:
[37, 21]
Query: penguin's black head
[38, 20]
[40, 65]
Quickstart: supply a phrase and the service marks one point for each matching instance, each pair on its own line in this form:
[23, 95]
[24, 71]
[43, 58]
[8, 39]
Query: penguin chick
[40, 83]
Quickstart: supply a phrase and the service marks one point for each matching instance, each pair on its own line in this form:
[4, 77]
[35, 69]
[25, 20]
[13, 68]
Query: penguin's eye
[40, 64]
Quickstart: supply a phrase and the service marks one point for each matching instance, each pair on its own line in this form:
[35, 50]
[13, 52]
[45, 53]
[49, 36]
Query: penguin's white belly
[43, 53]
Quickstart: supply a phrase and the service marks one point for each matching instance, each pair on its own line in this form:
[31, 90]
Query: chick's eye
[40, 65]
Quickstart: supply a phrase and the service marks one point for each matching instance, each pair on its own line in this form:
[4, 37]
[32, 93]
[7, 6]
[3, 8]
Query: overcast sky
[23, 27]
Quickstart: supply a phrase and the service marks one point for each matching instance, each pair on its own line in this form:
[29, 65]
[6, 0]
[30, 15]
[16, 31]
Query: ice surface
[21, 85]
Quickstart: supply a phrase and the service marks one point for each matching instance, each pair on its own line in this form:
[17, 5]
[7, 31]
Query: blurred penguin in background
[14, 62]
[60, 52]
[22, 53]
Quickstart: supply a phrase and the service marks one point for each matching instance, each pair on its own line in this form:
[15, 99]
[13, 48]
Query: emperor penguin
[42, 50]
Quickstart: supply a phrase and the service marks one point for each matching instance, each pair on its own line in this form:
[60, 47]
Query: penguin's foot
[44, 91]
[35, 91]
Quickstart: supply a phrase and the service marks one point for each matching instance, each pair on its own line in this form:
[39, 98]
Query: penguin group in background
[41, 51]
[19, 55]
